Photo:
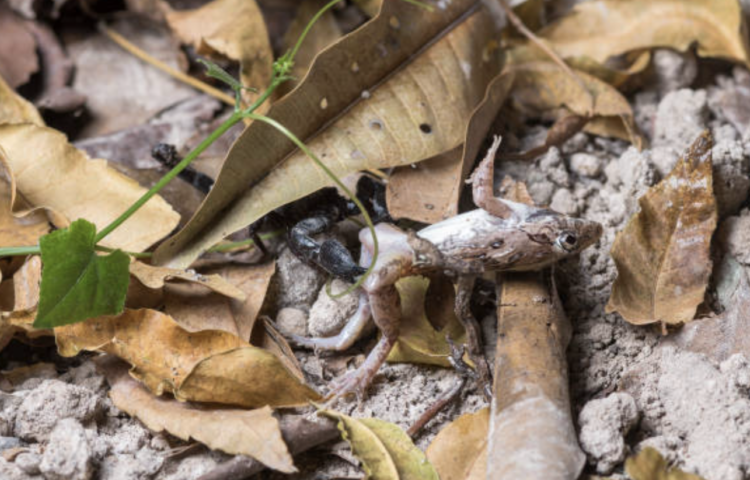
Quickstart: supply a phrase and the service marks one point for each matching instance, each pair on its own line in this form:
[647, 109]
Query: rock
[28, 462]
[563, 201]
[586, 164]
[328, 315]
[86, 376]
[604, 423]
[10, 471]
[9, 442]
[295, 284]
[68, 454]
[731, 166]
[292, 320]
[681, 117]
[734, 235]
[673, 70]
[142, 465]
[51, 401]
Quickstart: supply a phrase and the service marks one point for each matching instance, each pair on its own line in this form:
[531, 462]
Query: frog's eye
[567, 241]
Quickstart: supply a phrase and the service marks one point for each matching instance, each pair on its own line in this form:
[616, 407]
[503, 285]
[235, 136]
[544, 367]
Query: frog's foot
[357, 381]
[358, 325]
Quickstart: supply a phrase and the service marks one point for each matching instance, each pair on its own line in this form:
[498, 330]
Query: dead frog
[500, 235]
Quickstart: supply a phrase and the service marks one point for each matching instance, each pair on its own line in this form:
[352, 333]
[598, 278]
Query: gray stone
[28, 462]
[53, 400]
[68, 453]
[329, 315]
[604, 423]
[9, 442]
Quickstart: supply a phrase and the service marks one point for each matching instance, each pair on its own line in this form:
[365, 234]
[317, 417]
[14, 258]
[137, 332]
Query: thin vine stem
[375, 250]
[228, 123]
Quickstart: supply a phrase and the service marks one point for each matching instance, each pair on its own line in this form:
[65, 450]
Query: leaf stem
[228, 123]
[285, 131]
[19, 251]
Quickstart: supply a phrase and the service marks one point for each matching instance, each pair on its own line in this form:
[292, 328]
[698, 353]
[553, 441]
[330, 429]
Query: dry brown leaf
[663, 254]
[155, 277]
[325, 31]
[194, 309]
[429, 192]
[56, 176]
[602, 29]
[16, 109]
[16, 230]
[418, 340]
[531, 414]
[254, 433]
[24, 299]
[267, 337]
[459, 451]
[648, 464]
[123, 91]
[397, 91]
[18, 59]
[234, 29]
[208, 366]
[544, 86]
[26, 283]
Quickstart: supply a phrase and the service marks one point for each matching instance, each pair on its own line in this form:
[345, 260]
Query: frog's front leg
[473, 333]
[394, 262]
[386, 311]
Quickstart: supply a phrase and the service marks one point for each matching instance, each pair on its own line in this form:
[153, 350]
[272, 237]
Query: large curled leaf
[56, 176]
[77, 283]
[602, 29]
[386, 451]
[459, 451]
[207, 366]
[254, 433]
[663, 254]
[397, 91]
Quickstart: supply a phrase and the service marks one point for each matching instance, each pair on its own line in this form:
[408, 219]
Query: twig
[465, 373]
[300, 435]
[197, 84]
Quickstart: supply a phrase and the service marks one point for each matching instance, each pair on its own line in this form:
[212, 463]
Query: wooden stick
[531, 428]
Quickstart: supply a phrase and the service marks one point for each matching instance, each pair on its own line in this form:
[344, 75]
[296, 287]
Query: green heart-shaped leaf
[77, 283]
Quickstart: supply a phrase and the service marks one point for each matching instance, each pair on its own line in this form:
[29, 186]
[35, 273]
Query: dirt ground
[630, 386]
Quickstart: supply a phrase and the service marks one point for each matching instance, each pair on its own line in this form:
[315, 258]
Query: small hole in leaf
[394, 23]
[376, 125]
[425, 128]
[324, 103]
[355, 67]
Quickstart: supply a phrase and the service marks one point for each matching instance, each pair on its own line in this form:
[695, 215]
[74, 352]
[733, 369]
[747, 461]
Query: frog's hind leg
[358, 325]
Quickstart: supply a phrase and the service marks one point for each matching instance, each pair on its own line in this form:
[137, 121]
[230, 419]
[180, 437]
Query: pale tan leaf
[663, 254]
[26, 283]
[254, 433]
[194, 309]
[384, 106]
[56, 176]
[208, 366]
[234, 29]
[386, 451]
[16, 109]
[601, 29]
[418, 340]
[459, 451]
[155, 277]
